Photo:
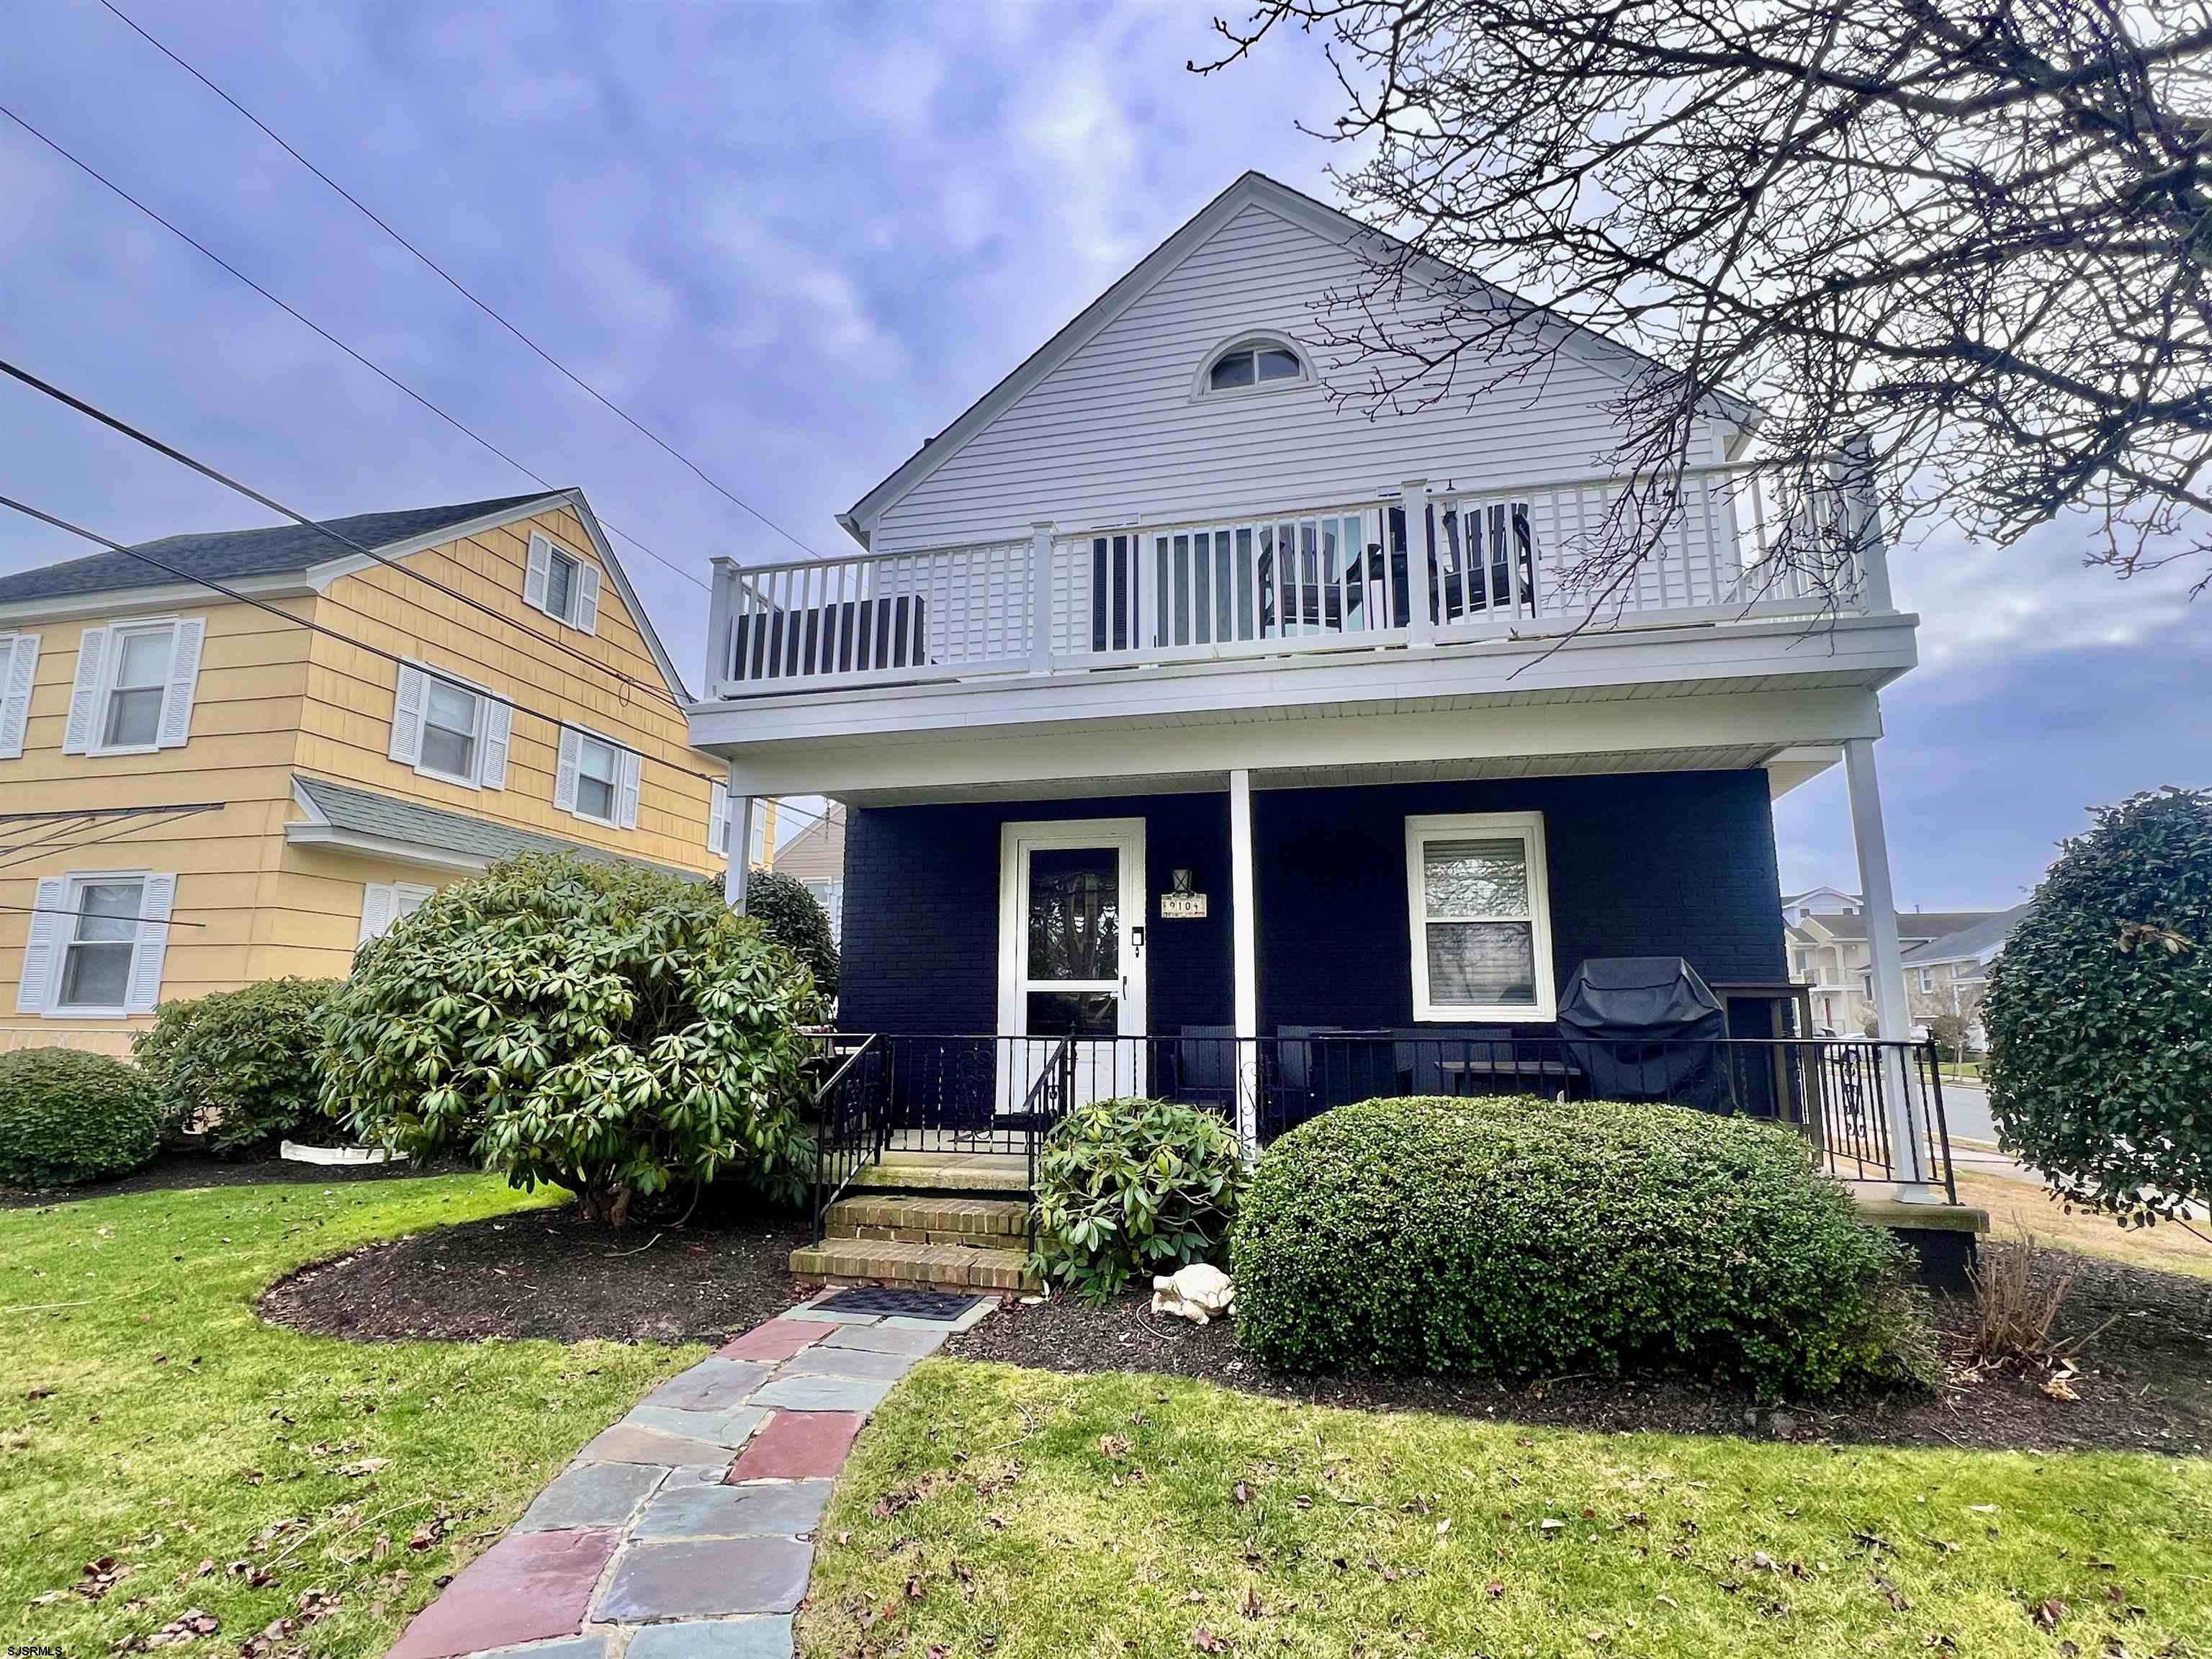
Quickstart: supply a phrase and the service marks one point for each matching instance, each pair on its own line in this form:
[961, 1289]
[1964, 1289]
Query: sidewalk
[686, 1529]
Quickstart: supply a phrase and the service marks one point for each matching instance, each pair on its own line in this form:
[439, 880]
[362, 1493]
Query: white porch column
[1414, 496]
[720, 611]
[1040, 597]
[1244, 933]
[741, 845]
[1892, 1016]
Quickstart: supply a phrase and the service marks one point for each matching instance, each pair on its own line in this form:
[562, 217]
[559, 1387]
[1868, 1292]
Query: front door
[1072, 956]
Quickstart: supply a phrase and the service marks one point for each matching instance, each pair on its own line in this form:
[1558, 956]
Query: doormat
[897, 1301]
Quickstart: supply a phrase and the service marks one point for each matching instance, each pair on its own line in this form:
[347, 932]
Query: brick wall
[1667, 864]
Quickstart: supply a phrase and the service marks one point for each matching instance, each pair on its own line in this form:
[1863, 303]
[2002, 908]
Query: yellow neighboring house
[197, 794]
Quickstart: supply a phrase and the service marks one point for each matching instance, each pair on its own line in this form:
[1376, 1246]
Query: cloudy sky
[797, 240]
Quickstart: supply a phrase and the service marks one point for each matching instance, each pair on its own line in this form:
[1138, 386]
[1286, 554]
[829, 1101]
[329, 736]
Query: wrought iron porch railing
[1003, 1094]
[849, 1119]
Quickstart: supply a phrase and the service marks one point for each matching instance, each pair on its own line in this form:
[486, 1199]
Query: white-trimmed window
[134, 686]
[565, 585]
[446, 728]
[1927, 979]
[95, 946]
[1258, 362]
[1480, 917]
[383, 902]
[597, 779]
[19, 671]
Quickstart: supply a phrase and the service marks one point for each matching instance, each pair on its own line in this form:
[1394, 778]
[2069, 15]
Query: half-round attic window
[1250, 364]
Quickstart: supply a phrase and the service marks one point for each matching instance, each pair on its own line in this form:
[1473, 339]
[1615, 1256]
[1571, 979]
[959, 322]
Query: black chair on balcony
[1318, 1067]
[892, 632]
[1202, 1068]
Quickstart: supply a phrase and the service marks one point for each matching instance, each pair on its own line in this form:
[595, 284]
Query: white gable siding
[1114, 432]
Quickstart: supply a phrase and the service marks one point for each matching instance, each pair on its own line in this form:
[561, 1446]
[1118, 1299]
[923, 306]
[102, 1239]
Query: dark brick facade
[1664, 864]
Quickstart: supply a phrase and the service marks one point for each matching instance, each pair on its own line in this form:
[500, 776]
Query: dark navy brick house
[1176, 699]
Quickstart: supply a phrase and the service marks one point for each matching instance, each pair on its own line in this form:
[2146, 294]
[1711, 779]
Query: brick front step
[891, 1261]
[944, 1172]
[911, 1218]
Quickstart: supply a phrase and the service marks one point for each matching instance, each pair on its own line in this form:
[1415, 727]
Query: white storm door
[1071, 956]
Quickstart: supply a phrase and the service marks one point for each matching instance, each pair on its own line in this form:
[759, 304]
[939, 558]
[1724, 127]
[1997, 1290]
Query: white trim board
[1865, 652]
[1767, 723]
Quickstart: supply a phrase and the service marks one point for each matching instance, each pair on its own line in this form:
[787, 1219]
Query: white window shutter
[184, 678]
[629, 771]
[718, 818]
[378, 900]
[587, 596]
[19, 670]
[145, 989]
[407, 714]
[84, 695]
[564, 773]
[491, 763]
[533, 575]
[39, 945]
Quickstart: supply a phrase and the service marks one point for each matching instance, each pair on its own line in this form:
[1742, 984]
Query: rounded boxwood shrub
[1526, 1238]
[241, 1063]
[67, 1115]
[794, 919]
[2100, 1014]
[1134, 1186]
[611, 1029]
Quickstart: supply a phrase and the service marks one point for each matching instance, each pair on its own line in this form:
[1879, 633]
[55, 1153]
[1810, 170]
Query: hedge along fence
[1525, 1238]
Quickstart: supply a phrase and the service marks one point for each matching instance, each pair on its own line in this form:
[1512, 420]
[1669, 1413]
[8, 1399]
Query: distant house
[1815, 901]
[220, 791]
[816, 856]
[1947, 976]
[1829, 952]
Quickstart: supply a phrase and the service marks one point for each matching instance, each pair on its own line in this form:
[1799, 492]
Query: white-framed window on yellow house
[19, 672]
[597, 779]
[565, 585]
[446, 727]
[96, 943]
[1480, 915]
[134, 686]
[383, 902]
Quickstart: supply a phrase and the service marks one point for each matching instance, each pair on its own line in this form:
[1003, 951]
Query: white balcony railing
[1498, 563]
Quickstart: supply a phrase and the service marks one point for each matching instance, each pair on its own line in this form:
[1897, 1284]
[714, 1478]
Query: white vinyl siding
[1479, 916]
[1116, 431]
[96, 943]
[562, 584]
[134, 687]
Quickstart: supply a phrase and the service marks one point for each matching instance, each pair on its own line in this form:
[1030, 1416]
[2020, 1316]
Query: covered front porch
[1269, 946]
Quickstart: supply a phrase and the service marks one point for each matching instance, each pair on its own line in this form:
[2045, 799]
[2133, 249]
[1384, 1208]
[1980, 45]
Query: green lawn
[148, 1416]
[1139, 1515]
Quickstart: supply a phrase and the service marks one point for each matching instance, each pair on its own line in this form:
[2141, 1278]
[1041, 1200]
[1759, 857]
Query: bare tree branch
[1975, 235]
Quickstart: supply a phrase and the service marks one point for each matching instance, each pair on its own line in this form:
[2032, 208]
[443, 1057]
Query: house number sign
[1182, 904]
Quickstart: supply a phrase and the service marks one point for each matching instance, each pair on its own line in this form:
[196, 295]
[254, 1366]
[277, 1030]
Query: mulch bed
[2144, 1382]
[546, 1274]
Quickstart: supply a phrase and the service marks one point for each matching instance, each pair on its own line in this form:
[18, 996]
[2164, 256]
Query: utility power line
[305, 321]
[116, 423]
[458, 287]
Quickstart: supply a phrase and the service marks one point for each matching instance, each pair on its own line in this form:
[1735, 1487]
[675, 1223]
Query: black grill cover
[1643, 1028]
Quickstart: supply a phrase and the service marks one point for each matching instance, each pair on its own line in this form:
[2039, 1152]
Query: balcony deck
[1414, 602]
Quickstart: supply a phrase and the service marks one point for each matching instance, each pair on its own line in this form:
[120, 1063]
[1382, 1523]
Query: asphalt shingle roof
[1970, 941]
[274, 550]
[365, 812]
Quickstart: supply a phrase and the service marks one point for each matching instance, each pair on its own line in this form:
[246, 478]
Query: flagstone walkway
[686, 1529]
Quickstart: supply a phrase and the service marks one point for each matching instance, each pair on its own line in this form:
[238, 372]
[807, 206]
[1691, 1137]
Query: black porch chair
[1202, 1067]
